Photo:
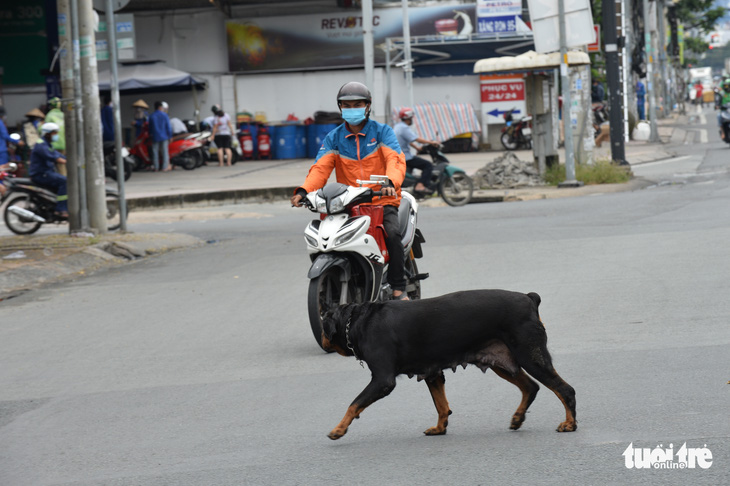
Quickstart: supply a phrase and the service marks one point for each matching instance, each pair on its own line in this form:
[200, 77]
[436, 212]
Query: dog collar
[349, 344]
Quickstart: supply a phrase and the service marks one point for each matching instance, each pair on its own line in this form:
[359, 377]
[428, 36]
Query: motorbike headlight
[350, 233]
[125, 152]
[310, 240]
[337, 204]
[321, 205]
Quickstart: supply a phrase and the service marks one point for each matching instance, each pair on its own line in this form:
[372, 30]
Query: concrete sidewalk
[276, 179]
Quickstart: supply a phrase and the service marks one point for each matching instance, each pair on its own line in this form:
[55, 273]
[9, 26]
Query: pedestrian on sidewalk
[107, 120]
[641, 100]
[161, 133]
[140, 116]
[222, 133]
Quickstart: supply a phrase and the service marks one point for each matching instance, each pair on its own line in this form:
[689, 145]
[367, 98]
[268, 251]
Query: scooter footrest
[421, 276]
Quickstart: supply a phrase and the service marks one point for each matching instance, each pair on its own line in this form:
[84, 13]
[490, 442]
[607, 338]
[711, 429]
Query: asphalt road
[198, 366]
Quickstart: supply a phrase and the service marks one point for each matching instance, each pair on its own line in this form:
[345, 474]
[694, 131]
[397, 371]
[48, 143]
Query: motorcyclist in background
[407, 138]
[724, 103]
[359, 149]
[43, 162]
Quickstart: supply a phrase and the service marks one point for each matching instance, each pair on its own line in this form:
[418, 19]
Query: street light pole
[651, 85]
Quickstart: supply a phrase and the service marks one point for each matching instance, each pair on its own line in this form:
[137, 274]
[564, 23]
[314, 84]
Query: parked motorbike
[184, 151]
[452, 183]
[600, 115]
[725, 119]
[347, 248]
[110, 161]
[516, 133]
[30, 205]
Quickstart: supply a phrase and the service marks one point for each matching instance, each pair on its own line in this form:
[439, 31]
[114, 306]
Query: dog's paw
[336, 434]
[517, 420]
[435, 431]
[567, 427]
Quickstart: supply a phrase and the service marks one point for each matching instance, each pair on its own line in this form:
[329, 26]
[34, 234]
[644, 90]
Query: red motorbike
[516, 133]
[185, 151]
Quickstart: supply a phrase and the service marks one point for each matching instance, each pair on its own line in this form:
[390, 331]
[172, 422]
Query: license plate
[527, 131]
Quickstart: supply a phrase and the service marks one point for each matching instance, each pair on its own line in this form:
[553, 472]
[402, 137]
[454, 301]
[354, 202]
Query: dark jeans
[424, 166]
[396, 272]
[57, 183]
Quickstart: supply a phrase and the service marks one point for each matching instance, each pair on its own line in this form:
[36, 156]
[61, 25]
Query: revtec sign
[331, 41]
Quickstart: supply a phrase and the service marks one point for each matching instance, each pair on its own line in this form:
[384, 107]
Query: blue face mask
[353, 116]
[54, 137]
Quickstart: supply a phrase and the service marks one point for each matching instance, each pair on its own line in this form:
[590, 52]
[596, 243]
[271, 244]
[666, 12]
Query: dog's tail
[535, 298]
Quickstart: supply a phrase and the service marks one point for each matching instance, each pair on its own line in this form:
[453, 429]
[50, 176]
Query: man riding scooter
[357, 149]
[407, 139]
[43, 160]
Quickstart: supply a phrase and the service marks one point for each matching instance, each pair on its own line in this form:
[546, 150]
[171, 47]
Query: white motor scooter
[347, 248]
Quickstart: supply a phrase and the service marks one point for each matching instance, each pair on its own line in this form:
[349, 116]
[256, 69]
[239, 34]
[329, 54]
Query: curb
[212, 198]
[114, 251]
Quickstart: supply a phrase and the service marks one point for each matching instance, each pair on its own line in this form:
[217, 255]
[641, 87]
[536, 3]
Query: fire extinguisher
[246, 141]
[264, 141]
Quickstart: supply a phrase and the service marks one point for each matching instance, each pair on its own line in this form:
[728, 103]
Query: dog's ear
[329, 323]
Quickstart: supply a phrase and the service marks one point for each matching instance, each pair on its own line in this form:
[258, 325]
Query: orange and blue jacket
[373, 151]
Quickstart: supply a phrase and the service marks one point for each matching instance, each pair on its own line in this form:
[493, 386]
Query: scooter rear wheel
[508, 141]
[18, 224]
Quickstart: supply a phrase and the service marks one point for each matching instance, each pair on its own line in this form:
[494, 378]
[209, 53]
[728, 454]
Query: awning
[456, 55]
[529, 61]
[147, 77]
[442, 121]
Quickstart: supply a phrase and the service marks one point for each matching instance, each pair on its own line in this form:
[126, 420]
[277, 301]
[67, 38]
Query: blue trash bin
[286, 139]
[316, 134]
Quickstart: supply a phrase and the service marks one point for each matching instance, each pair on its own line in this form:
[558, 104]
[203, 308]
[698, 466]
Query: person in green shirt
[55, 115]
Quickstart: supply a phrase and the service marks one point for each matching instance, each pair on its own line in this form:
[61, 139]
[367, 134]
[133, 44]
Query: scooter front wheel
[456, 189]
[324, 295]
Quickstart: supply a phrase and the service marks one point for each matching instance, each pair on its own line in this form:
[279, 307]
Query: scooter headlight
[337, 204]
[310, 240]
[358, 226]
[125, 152]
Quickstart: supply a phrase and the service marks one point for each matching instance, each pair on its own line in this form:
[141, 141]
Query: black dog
[488, 328]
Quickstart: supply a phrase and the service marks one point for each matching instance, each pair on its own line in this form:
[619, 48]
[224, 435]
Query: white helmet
[47, 128]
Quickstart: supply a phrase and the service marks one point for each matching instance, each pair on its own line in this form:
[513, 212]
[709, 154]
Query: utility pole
[570, 180]
[367, 39]
[661, 27]
[80, 161]
[615, 94]
[95, 183]
[69, 115]
[114, 78]
[651, 85]
[408, 68]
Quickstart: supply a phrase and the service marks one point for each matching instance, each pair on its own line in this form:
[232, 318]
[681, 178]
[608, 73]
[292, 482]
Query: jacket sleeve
[320, 172]
[395, 160]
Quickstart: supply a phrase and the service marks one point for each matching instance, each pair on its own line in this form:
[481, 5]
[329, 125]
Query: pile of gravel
[508, 171]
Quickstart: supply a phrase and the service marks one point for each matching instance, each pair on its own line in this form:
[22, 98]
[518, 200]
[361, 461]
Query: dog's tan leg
[529, 390]
[380, 386]
[353, 412]
[570, 424]
[438, 392]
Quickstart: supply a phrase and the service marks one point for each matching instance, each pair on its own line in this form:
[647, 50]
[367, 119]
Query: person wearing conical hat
[140, 116]
[31, 127]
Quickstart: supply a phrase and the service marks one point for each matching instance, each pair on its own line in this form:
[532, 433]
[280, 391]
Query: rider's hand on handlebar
[388, 191]
[296, 200]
